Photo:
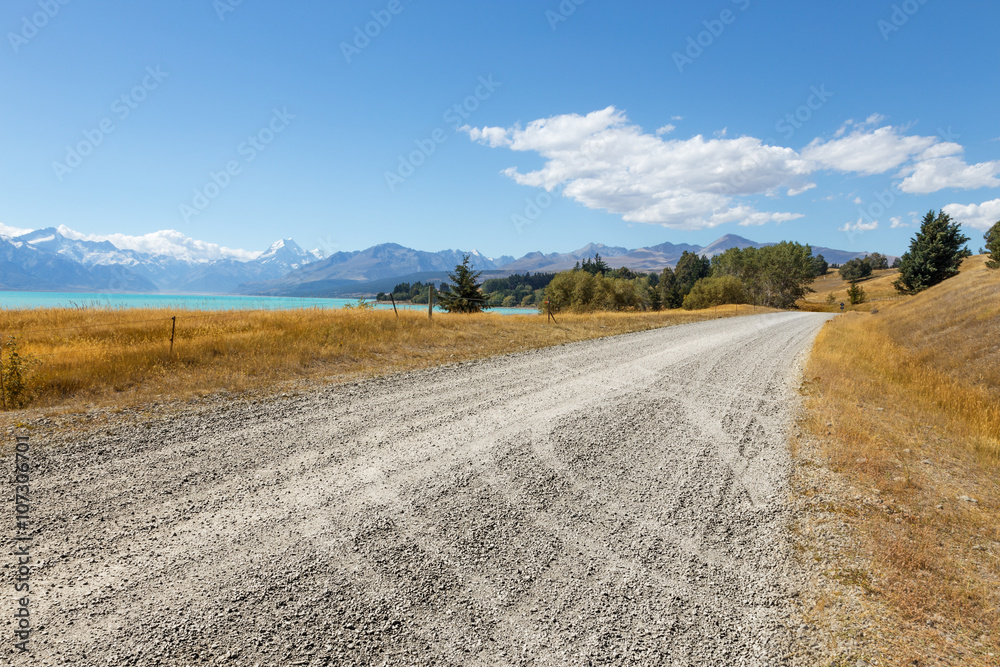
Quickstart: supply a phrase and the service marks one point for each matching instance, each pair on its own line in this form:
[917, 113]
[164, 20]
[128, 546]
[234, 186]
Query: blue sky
[627, 123]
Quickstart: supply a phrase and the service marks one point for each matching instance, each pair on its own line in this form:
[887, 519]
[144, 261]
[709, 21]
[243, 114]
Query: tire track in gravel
[619, 501]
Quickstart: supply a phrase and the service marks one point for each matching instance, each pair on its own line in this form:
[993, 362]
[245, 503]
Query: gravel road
[618, 501]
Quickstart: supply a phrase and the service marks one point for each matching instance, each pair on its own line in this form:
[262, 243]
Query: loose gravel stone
[617, 501]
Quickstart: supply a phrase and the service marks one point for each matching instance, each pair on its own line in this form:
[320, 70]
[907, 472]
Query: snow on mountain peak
[274, 247]
[167, 242]
[13, 232]
[282, 244]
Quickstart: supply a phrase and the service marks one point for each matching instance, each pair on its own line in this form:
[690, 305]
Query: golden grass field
[81, 357]
[907, 405]
[878, 289]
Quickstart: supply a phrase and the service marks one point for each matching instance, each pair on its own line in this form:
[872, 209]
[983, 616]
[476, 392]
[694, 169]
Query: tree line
[515, 290]
[935, 254]
[774, 276]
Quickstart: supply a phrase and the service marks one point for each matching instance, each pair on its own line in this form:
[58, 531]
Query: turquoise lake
[19, 300]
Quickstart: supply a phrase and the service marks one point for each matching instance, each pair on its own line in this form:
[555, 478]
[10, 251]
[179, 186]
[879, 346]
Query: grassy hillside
[120, 357]
[906, 406]
[878, 288]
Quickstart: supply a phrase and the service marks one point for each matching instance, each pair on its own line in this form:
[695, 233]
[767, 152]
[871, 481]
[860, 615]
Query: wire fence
[174, 326]
[32, 337]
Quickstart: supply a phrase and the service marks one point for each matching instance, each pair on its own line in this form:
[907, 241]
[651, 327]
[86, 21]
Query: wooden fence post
[393, 299]
[430, 302]
[173, 328]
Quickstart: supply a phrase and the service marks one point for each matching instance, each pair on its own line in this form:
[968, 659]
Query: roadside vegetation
[75, 357]
[513, 291]
[905, 405]
[769, 277]
[517, 290]
[830, 290]
[992, 238]
[774, 276]
[935, 254]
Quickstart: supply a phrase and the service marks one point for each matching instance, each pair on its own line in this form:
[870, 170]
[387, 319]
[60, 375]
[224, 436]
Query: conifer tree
[465, 296]
[993, 246]
[935, 254]
[669, 296]
[690, 269]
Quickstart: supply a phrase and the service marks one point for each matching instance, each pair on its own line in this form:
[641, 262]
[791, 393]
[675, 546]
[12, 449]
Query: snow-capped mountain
[184, 265]
[58, 258]
[225, 275]
[91, 253]
[26, 267]
[287, 252]
[165, 243]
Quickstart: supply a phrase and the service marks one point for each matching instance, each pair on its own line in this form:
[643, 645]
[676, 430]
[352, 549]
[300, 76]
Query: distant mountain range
[46, 259]
[380, 267]
[62, 260]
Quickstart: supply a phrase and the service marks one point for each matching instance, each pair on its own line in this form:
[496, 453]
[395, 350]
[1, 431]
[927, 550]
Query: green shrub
[14, 368]
[856, 294]
[709, 292]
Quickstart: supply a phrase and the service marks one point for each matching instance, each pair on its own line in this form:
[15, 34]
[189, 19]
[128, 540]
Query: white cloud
[939, 173]
[13, 231]
[168, 242]
[604, 162]
[867, 153]
[850, 123]
[874, 119]
[897, 223]
[859, 226]
[977, 216]
[859, 201]
[944, 149]
[493, 136]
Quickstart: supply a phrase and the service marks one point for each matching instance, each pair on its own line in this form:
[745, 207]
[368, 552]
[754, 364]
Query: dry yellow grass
[906, 402]
[121, 357]
[878, 289]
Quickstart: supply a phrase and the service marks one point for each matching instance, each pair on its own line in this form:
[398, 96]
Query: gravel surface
[617, 501]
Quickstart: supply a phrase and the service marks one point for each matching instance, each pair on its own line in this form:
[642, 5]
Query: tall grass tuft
[117, 357]
[907, 402]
